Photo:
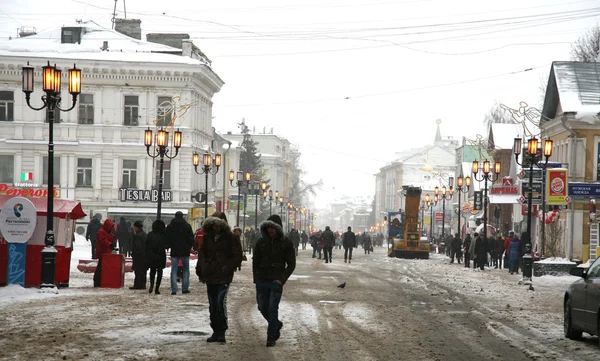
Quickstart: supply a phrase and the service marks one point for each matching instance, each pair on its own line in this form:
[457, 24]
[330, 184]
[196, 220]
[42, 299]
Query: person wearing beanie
[219, 256]
[138, 253]
[273, 263]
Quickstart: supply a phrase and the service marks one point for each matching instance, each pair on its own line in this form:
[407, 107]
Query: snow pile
[17, 293]
[587, 264]
[556, 260]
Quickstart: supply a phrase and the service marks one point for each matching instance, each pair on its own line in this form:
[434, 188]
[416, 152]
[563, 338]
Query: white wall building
[128, 85]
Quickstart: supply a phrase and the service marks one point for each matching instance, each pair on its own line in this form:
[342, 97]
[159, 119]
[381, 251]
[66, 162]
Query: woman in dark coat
[156, 253]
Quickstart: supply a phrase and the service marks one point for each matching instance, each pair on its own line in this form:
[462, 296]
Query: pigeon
[342, 285]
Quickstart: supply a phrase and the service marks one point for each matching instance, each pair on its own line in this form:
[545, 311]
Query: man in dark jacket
[304, 239]
[138, 253]
[467, 248]
[455, 248]
[180, 238]
[349, 243]
[219, 256]
[328, 243]
[123, 236]
[295, 238]
[480, 251]
[273, 262]
[92, 232]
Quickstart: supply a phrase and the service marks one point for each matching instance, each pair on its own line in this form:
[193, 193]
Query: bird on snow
[342, 285]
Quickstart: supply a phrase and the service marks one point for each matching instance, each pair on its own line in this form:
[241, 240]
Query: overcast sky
[353, 81]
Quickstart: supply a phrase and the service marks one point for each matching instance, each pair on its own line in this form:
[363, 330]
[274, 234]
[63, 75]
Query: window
[56, 170]
[164, 111]
[129, 174]
[7, 168]
[84, 172]
[86, 109]
[166, 174]
[594, 270]
[7, 106]
[56, 115]
[130, 117]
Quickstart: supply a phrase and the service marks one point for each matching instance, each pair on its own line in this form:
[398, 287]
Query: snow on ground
[556, 260]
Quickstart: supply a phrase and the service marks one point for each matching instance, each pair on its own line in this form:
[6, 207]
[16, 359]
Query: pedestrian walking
[105, 243]
[367, 243]
[479, 251]
[491, 246]
[180, 238]
[455, 248]
[91, 233]
[123, 236]
[515, 255]
[273, 263]
[349, 242]
[467, 250]
[138, 253]
[156, 254]
[328, 239]
[304, 239]
[295, 238]
[219, 257]
[315, 243]
[499, 251]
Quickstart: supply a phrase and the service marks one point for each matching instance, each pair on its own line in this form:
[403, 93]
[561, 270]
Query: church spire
[438, 134]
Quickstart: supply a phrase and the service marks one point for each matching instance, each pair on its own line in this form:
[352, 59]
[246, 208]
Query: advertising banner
[557, 186]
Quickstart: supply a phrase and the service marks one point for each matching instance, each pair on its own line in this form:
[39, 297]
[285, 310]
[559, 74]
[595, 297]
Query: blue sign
[15, 274]
[584, 190]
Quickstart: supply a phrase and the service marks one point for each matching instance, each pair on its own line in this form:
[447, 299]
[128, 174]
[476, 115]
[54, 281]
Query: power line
[391, 92]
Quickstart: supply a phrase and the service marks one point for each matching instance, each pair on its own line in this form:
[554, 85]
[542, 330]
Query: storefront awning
[140, 210]
[62, 208]
[504, 199]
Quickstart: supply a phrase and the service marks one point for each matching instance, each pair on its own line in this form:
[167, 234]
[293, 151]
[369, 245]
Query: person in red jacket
[104, 245]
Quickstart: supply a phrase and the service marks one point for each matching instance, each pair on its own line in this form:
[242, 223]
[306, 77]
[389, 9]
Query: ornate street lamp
[462, 186]
[160, 141]
[446, 195]
[484, 174]
[210, 165]
[430, 205]
[530, 158]
[269, 195]
[238, 185]
[51, 84]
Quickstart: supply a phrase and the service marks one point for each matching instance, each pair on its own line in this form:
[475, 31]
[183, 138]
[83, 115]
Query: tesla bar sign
[143, 195]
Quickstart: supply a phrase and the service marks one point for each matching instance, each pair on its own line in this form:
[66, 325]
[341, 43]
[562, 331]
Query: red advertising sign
[439, 216]
[556, 186]
[533, 209]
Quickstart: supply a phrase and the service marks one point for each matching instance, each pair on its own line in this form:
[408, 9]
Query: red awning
[62, 207]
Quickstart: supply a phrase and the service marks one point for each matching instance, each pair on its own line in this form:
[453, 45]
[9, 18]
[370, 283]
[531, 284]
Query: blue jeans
[217, 307]
[268, 296]
[185, 281]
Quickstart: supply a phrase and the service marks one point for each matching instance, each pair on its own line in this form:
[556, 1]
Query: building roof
[47, 44]
[502, 135]
[575, 86]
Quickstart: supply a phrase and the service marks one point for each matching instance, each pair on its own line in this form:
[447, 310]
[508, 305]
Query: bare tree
[497, 114]
[554, 239]
[587, 47]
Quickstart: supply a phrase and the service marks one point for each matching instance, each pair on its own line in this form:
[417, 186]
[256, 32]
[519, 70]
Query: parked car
[582, 303]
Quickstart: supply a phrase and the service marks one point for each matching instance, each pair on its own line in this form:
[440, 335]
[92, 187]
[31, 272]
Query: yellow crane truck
[404, 228]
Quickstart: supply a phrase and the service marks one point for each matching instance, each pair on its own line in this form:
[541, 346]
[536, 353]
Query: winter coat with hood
[467, 244]
[274, 259]
[138, 249]
[92, 229]
[105, 239]
[180, 237]
[295, 238]
[456, 243]
[220, 254]
[156, 245]
[328, 237]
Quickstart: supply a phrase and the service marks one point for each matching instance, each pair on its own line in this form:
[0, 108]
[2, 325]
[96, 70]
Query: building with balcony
[128, 85]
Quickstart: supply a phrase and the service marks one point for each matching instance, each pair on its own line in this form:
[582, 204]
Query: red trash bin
[113, 271]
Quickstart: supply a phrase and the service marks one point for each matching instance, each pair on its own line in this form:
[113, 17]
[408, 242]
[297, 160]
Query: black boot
[151, 285]
[156, 291]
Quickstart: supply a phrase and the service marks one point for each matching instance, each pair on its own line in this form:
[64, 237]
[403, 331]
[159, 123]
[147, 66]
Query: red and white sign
[524, 209]
[556, 186]
[439, 216]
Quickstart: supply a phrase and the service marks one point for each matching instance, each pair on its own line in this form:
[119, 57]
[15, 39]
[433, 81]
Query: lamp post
[446, 195]
[462, 186]
[281, 207]
[209, 164]
[51, 84]
[486, 175]
[431, 204]
[255, 191]
[270, 196]
[532, 156]
[238, 184]
[296, 217]
[160, 142]
[290, 207]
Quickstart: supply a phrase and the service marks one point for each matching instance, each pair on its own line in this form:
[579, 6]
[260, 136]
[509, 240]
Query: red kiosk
[65, 214]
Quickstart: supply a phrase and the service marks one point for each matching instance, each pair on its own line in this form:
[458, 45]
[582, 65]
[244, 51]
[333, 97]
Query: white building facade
[128, 85]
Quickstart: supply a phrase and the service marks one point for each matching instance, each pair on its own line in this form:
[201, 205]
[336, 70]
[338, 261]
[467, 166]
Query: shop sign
[478, 200]
[143, 195]
[26, 191]
[556, 186]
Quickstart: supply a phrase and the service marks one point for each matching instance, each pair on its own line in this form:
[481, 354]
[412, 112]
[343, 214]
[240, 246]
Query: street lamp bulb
[486, 167]
[475, 167]
[240, 176]
[271, 193]
[231, 175]
[177, 139]
[281, 199]
[48, 80]
[443, 190]
[162, 138]
[427, 198]
[436, 190]
[263, 185]
[264, 194]
[532, 146]
[497, 168]
[218, 160]
[548, 148]
[196, 159]
[450, 181]
[57, 80]
[248, 176]
[459, 181]
[148, 138]
[517, 146]
[28, 79]
[74, 80]
[206, 160]
[468, 181]
[276, 194]
[436, 199]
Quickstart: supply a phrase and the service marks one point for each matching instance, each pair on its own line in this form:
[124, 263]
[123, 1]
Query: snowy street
[390, 309]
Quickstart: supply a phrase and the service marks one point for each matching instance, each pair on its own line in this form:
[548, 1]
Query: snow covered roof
[503, 135]
[575, 86]
[120, 47]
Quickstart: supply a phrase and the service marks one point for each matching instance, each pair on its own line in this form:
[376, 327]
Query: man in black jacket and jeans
[349, 242]
[273, 262]
[328, 243]
[180, 238]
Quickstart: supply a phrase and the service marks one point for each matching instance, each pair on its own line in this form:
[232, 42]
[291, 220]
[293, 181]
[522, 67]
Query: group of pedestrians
[493, 252]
